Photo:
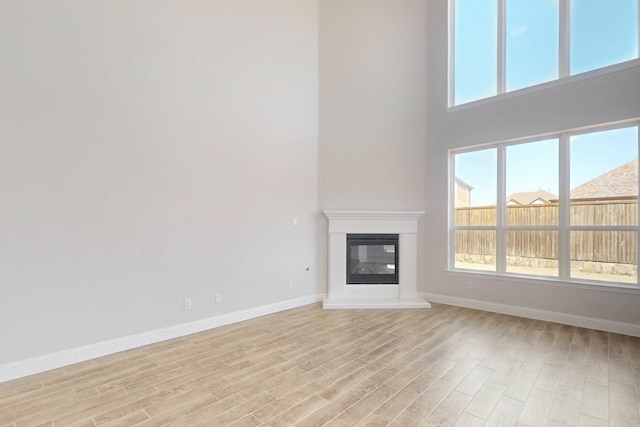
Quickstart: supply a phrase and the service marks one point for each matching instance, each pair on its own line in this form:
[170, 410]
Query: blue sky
[603, 32]
[534, 166]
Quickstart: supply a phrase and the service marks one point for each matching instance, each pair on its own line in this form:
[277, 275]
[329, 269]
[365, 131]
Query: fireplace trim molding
[402, 295]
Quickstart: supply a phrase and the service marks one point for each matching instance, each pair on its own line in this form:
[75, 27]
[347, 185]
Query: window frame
[563, 228]
[564, 58]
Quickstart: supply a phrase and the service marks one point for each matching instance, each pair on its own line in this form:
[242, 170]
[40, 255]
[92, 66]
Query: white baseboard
[47, 362]
[533, 313]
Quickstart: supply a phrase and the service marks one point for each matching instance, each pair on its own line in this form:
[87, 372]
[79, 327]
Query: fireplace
[372, 259]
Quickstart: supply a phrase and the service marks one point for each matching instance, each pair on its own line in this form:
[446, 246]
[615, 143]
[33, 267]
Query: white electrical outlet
[469, 284]
[218, 298]
[291, 286]
[187, 303]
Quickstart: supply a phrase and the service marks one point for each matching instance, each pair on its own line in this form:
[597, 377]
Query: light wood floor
[309, 367]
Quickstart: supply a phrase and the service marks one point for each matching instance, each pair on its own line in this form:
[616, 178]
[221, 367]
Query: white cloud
[518, 31]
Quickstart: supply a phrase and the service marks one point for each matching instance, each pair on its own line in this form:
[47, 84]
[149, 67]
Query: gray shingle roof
[619, 182]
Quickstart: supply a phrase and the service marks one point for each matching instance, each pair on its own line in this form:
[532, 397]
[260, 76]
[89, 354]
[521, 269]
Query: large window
[563, 207]
[503, 45]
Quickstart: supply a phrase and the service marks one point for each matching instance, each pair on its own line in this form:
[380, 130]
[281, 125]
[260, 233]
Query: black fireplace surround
[372, 259]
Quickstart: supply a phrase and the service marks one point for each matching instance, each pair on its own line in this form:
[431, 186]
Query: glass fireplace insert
[372, 259]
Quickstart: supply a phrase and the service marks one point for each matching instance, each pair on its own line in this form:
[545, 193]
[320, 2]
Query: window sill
[547, 85]
[548, 281]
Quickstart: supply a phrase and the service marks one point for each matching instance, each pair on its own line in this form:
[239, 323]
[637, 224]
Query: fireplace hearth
[373, 260]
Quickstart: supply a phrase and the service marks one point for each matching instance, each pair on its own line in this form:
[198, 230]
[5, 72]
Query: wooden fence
[597, 246]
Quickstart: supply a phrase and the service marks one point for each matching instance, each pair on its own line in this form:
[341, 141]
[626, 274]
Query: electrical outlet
[218, 298]
[291, 285]
[187, 303]
[469, 284]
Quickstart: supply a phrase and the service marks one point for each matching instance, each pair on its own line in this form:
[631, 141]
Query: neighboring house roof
[621, 182]
[463, 184]
[531, 198]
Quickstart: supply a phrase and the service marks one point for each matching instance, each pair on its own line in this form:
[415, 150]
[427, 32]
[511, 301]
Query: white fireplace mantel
[402, 295]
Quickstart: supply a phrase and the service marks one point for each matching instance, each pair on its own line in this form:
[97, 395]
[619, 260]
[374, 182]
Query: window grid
[564, 211]
[451, 89]
[502, 47]
[565, 41]
[563, 48]
[564, 227]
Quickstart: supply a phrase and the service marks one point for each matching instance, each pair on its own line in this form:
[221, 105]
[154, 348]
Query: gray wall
[373, 68]
[595, 100]
[152, 151]
[372, 104]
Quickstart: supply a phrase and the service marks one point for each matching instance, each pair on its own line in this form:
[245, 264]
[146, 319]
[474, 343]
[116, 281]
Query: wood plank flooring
[309, 367]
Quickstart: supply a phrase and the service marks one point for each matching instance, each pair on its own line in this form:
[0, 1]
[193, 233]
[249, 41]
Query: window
[476, 39]
[563, 207]
[602, 33]
[532, 34]
[532, 215]
[500, 46]
[475, 215]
